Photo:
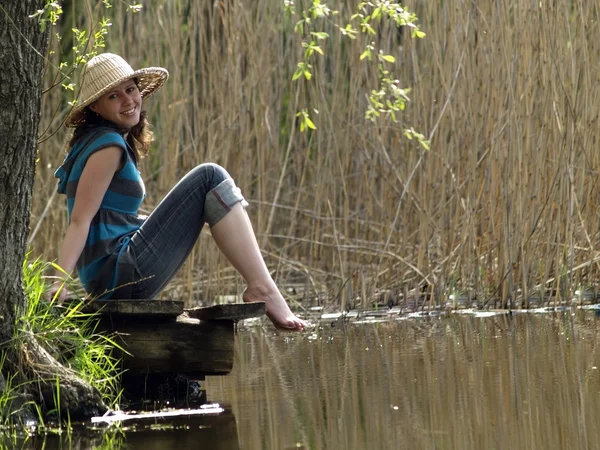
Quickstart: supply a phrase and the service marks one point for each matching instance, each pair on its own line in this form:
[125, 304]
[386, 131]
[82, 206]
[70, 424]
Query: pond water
[516, 381]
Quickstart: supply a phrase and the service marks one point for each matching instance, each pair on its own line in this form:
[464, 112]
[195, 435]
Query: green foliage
[49, 15]
[68, 334]
[135, 8]
[9, 394]
[86, 43]
[410, 134]
[389, 98]
[305, 122]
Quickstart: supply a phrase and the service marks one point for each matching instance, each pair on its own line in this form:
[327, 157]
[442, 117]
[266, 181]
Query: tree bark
[23, 47]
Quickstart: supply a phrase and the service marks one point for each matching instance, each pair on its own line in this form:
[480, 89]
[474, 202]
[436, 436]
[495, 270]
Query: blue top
[117, 218]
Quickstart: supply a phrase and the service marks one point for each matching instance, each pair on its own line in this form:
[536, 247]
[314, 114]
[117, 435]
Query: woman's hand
[58, 291]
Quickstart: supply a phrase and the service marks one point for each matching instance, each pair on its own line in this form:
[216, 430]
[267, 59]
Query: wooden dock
[165, 347]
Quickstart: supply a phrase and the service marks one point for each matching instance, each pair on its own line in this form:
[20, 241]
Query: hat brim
[149, 80]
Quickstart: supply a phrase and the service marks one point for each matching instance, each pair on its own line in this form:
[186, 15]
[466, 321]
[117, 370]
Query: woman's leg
[235, 238]
[160, 247]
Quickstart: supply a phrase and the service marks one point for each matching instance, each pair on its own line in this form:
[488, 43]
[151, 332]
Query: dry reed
[501, 210]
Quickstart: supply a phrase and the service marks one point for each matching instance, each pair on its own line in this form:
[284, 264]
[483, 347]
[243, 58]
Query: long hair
[139, 137]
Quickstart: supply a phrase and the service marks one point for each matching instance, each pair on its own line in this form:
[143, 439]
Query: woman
[117, 253]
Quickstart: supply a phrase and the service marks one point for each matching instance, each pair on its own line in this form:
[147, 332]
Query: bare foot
[277, 309]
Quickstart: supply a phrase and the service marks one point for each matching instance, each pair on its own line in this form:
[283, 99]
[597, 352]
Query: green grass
[68, 334]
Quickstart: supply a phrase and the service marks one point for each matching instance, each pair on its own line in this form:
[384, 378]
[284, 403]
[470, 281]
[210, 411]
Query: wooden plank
[185, 345]
[163, 308]
[234, 311]
[173, 308]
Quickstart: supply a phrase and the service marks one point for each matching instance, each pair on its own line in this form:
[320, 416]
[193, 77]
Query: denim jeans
[160, 247]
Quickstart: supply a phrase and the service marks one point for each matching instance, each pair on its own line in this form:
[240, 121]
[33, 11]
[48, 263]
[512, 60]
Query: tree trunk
[23, 48]
[21, 45]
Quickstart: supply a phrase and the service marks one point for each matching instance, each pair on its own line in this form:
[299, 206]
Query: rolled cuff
[221, 199]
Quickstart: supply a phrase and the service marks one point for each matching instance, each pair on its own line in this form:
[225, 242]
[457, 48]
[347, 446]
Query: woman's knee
[211, 174]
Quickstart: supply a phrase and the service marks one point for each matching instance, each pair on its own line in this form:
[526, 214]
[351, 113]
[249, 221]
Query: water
[450, 382]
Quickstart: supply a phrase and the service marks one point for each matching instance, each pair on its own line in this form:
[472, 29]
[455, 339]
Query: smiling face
[120, 105]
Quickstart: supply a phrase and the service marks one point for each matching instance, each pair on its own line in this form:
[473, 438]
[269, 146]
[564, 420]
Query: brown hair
[139, 137]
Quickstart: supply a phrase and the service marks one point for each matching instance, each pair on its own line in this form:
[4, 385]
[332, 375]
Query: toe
[292, 324]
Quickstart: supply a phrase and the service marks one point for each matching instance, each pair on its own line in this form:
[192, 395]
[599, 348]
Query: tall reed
[502, 206]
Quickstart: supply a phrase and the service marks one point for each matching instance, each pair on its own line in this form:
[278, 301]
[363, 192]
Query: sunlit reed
[502, 211]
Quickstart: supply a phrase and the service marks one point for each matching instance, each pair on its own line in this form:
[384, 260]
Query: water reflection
[518, 381]
[451, 382]
[182, 432]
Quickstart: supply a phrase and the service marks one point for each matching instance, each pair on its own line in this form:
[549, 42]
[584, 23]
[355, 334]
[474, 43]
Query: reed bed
[500, 211]
[525, 381]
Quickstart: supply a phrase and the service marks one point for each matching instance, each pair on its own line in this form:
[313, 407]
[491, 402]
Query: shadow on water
[515, 381]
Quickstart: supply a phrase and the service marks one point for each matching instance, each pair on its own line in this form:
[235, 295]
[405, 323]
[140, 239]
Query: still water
[520, 381]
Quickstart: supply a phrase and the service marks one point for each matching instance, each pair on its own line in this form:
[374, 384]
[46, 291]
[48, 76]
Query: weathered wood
[235, 311]
[162, 342]
[150, 308]
[184, 345]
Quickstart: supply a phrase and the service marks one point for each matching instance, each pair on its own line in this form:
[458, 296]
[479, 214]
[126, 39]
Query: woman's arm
[95, 179]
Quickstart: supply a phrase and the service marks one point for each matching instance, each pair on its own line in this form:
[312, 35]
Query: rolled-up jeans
[164, 241]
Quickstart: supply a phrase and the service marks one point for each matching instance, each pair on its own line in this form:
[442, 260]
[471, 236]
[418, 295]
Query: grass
[502, 207]
[70, 336]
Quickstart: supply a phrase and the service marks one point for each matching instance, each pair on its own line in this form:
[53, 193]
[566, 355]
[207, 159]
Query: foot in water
[277, 309]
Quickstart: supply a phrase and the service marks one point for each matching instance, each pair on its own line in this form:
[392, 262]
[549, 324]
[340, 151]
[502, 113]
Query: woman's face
[121, 105]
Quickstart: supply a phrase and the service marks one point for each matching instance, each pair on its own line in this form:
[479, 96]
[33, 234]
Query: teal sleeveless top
[105, 254]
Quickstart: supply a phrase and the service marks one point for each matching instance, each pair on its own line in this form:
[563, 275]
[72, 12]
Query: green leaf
[309, 123]
[135, 8]
[388, 58]
[319, 34]
[298, 73]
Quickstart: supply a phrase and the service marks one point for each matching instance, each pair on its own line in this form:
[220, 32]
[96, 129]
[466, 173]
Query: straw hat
[105, 71]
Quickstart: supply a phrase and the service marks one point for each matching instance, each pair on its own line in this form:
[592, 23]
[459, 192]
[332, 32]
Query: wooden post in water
[165, 345]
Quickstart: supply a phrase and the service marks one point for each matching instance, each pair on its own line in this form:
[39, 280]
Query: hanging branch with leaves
[86, 45]
[389, 98]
